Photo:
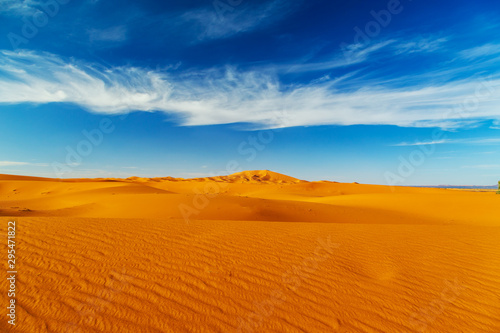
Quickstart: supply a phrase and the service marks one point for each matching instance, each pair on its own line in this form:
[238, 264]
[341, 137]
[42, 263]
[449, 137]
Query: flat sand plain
[250, 252]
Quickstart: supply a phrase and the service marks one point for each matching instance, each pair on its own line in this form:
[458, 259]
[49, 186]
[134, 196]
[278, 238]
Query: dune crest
[262, 176]
[249, 176]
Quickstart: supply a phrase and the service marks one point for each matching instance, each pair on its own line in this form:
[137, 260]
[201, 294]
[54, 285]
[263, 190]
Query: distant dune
[255, 251]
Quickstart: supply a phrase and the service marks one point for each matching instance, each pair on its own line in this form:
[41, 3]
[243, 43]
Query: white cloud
[421, 143]
[484, 141]
[471, 141]
[14, 163]
[221, 96]
[482, 166]
[495, 125]
[19, 7]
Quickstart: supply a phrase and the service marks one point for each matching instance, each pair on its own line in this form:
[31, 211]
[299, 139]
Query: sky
[379, 92]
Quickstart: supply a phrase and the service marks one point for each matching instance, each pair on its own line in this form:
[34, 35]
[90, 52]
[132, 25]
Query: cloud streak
[471, 141]
[482, 166]
[421, 143]
[227, 95]
[14, 163]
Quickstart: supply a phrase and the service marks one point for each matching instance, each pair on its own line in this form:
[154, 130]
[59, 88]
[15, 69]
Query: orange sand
[251, 252]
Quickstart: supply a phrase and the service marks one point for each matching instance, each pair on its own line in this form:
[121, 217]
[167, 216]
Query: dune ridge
[251, 176]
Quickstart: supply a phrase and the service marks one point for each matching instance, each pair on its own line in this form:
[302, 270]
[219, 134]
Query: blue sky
[384, 92]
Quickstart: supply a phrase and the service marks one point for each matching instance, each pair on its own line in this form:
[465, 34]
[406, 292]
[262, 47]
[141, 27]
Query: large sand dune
[255, 251]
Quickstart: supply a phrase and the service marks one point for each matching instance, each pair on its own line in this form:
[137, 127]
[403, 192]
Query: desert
[255, 251]
[219, 166]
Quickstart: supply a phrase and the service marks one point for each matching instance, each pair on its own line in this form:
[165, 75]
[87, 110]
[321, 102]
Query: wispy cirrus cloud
[421, 44]
[358, 53]
[228, 95]
[112, 34]
[486, 50]
[352, 54]
[223, 20]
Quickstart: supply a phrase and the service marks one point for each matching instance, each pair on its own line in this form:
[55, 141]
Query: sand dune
[255, 251]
